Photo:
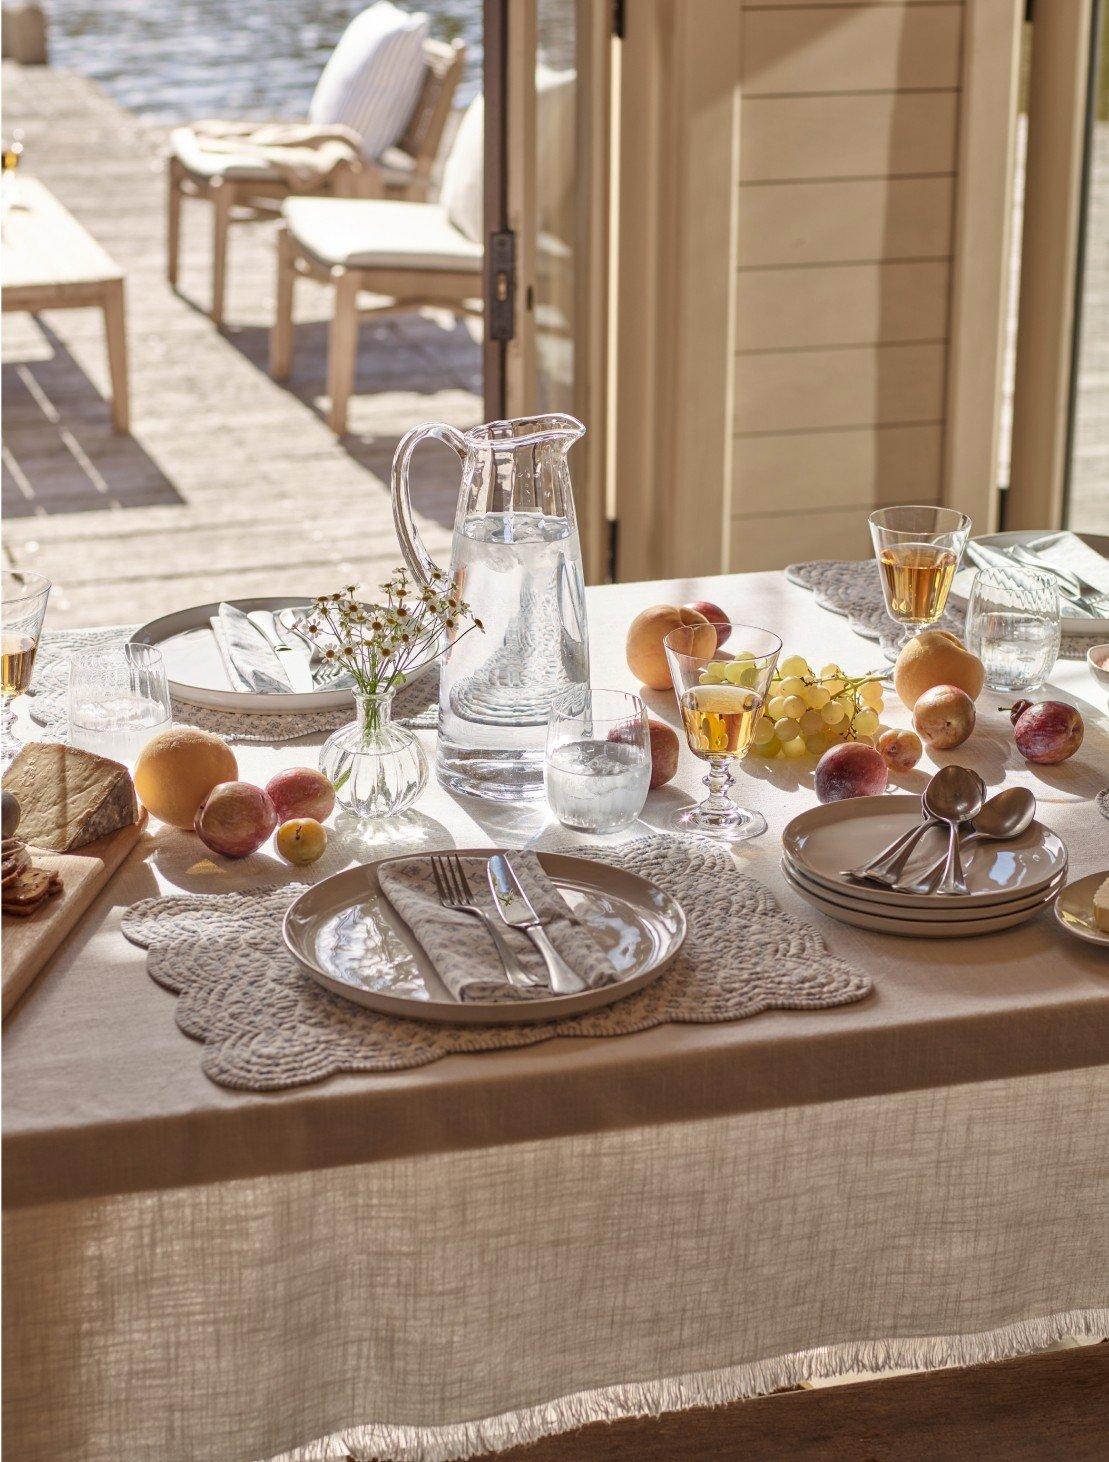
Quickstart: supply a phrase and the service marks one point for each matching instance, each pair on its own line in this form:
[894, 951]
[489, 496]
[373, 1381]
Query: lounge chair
[247, 187]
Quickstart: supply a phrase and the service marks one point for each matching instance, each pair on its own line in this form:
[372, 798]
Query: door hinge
[501, 305]
[619, 19]
[610, 550]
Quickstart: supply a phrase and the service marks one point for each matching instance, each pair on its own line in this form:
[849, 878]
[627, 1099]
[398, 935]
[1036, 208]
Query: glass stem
[719, 782]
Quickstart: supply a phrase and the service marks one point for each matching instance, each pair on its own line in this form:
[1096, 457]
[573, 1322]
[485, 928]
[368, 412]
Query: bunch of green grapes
[805, 713]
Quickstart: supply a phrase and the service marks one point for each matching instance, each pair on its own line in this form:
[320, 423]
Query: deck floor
[228, 484]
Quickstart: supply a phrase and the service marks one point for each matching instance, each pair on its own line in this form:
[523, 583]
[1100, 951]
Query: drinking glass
[1012, 625]
[118, 699]
[597, 765]
[721, 694]
[918, 550]
[24, 604]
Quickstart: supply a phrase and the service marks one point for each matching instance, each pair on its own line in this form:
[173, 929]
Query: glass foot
[734, 827]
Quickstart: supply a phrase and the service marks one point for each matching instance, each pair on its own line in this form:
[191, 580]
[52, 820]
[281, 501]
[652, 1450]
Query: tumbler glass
[1012, 625]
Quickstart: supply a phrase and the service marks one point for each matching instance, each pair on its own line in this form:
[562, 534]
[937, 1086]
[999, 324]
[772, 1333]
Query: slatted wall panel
[848, 146]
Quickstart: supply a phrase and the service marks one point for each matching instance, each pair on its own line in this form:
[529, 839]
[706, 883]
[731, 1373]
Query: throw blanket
[304, 153]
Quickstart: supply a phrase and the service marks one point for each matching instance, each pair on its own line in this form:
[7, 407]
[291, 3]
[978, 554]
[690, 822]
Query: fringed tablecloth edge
[704, 1388]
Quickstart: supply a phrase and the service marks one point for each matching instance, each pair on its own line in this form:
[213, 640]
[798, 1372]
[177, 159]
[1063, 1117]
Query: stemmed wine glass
[918, 550]
[24, 605]
[721, 695]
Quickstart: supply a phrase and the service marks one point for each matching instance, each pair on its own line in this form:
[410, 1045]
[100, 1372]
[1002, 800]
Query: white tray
[355, 944]
[1069, 624]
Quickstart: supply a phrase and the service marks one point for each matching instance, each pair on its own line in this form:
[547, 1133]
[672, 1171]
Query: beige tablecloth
[572, 1230]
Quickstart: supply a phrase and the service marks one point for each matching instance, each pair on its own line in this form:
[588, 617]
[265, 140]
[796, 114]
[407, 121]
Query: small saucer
[1074, 908]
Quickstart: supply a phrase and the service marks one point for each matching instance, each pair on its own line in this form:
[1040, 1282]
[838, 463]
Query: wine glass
[721, 694]
[918, 550]
[598, 759]
[24, 605]
[118, 699]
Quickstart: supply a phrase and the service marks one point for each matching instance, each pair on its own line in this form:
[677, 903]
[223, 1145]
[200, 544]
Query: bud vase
[378, 768]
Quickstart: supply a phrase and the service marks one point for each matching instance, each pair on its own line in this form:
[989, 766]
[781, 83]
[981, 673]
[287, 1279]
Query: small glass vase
[377, 767]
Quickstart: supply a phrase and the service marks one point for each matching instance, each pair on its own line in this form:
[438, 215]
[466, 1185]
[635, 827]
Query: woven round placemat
[265, 1024]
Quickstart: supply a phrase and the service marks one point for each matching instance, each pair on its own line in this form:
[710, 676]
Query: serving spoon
[1006, 815]
[954, 795]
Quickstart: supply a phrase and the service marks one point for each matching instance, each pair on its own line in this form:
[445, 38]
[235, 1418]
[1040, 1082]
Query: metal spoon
[1006, 815]
[954, 795]
[887, 866]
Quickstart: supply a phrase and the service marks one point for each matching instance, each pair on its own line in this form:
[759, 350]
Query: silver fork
[455, 893]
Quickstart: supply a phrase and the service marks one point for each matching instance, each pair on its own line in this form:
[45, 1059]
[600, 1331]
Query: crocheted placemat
[854, 588]
[417, 705]
[266, 1024]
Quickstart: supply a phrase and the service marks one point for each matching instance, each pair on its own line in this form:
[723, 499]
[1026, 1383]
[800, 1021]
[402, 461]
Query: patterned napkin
[461, 948]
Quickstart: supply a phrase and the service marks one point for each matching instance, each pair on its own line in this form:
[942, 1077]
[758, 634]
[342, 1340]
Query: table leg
[173, 219]
[223, 196]
[281, 336]
[115, 331]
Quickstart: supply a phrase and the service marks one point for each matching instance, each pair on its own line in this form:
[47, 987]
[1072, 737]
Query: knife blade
[293, 655]
[252, 655]
[515, 909]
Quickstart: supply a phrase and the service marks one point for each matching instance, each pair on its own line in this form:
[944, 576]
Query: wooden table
[51, 263]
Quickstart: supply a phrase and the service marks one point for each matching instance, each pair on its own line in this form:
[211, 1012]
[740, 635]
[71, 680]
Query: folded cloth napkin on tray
[1068, 551]
[304, 153]
[459, 945]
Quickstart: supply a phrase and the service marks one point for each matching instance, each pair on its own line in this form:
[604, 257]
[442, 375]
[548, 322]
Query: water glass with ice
[118, 699]
[1012, 625]
[598, 759]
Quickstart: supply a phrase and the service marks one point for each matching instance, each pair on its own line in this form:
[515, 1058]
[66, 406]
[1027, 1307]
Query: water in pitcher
[524, 571]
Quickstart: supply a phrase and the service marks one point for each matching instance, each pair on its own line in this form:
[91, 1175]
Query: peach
[301, 792]
[850, 770]
[235, 819]
[301, 840]
[646, 656]
[936, 657]
[716, 616]
[901, 750]
[664, 752]
[176, 770]
[944, 716]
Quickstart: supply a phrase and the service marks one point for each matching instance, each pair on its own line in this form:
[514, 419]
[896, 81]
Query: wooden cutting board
[29, 943]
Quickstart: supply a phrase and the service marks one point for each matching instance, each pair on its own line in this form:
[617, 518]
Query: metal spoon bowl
[1006, 815]
[954, 795]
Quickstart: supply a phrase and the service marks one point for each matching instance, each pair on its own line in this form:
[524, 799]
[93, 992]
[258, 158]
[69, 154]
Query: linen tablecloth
[436, 1262]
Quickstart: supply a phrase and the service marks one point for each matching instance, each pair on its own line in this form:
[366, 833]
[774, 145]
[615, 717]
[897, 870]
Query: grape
[817, 696]
[795, 665]
[769, 748]
[871, 694]
[846, 704]
[776, 707]
[792, 685]
[865, 723]
[834, 685]
[763, 732]
[740, 673]
[794, 707]
[786, 730]
[831, 713]
[816, 745]
[713, 673]
[793, 749]
[812, 723]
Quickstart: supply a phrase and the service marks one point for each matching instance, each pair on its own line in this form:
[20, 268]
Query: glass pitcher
[516, 560]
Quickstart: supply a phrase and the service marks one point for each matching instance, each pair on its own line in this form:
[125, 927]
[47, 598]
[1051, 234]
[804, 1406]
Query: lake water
[177, 60]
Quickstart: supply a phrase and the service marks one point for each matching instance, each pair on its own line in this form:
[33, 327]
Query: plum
[850, 770]
[301, 792]
[301, 840]
[944, 716]
[717, 617]
[901, 750]
[235, 819]
[1048, 733]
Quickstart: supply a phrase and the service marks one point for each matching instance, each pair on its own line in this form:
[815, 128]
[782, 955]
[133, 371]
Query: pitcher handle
[416, 556]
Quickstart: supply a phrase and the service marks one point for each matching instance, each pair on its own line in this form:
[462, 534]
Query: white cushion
[185, 146]
[461, 194]
[374, 233]
[373, 76]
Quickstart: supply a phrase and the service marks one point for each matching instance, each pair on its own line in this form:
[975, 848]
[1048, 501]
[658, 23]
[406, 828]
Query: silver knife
[295, 657]
[252, 655]
[516, 911]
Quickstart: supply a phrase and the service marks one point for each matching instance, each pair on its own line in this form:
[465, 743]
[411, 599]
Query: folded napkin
[1068, 551]
[461, 948]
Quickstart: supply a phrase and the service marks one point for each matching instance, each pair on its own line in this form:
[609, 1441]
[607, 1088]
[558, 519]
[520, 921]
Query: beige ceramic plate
[356, 944]
[937, 910]
[1074, 908]
[827, 839]
[918, 928]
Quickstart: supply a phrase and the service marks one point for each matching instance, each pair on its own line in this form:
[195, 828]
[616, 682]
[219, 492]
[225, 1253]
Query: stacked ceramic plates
[1008, 882]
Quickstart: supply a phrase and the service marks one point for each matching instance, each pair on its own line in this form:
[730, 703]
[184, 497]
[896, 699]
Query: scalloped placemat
[265, 1024]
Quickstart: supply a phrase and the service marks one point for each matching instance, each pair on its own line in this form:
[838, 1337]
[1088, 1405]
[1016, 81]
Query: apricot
[646, 656]
[936, 657]
[944, 716]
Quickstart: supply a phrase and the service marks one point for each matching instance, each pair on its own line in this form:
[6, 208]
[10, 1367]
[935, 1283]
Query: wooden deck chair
[246, 189]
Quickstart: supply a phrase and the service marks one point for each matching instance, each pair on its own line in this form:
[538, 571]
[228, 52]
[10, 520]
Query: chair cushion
[374, 233]
[461, 194]
[186, 148]
[373, 76]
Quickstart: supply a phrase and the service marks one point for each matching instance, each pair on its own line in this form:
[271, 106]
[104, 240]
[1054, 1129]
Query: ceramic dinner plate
[356, 945]
[196, 672]
[937, 909]
[1074, 908]
[918, 928]
[1069, 624]
[827, 839]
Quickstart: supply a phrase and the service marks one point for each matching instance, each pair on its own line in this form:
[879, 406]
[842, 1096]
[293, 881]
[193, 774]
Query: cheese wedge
[69, 797]
[1101, 906]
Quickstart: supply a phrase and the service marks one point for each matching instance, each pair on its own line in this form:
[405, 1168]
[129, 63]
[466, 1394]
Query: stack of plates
[1009, 882]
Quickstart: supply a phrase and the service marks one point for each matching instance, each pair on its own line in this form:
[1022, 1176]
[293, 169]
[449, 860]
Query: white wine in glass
[918, 551]
[720, 720]
[24, 606]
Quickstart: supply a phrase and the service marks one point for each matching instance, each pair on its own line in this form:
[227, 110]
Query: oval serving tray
[355, 944]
